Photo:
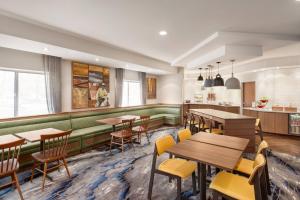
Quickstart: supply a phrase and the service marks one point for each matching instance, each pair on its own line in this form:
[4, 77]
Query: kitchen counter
[212, 104]
[269, 110]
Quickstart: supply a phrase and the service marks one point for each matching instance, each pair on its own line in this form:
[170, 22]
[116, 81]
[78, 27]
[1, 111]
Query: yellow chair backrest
[163, 143]
[259, 162]
[257, 122]
[184, 134]
[263, 145]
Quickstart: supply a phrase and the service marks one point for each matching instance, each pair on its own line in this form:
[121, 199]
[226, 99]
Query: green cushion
[91, 130]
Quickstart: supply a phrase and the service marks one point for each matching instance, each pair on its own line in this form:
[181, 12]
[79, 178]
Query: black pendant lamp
[206, 79]
[200, 77]
[218, 81]
[209, 80]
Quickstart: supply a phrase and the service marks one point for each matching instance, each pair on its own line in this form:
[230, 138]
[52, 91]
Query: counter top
[211, 104]
[220, 114]
[269, 110]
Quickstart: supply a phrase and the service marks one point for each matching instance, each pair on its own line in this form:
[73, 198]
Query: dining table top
[34, 136]
[210, 154]
[219, 114]
[5, 139]
[221, 140]
[117, 120]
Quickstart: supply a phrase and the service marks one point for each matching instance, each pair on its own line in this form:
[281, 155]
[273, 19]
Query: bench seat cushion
[91, 130]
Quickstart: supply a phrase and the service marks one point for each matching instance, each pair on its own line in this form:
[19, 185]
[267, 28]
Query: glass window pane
[32, 94]
[7, 94]
[134, 96]
[125, 94]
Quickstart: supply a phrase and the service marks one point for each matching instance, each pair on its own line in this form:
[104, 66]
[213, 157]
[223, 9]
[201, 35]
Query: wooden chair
[54, 150]
[124, 136]
[176, 168]
[233, 186]
[259, 129]
[189, 120]
[245, 166]
[10, 163]
[142, 128]
[201, 126]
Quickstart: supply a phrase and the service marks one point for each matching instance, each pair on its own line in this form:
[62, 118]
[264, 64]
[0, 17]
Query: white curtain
[119, 87]
[52, 69]
[143, 81]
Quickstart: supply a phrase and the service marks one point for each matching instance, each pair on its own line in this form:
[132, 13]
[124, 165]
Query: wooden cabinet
[250, 113]
[271, 122]
[281, 123]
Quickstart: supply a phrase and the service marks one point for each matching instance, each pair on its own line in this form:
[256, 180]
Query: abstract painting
[90, 86]
[151, 88]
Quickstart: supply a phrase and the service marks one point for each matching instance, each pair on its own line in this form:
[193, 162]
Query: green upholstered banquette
[87, 133]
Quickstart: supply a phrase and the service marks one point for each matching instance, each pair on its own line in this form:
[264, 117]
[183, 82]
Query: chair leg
[122, 147]
[209, 170]
[58, 167]
[178, 189]
[32, 170]
[194, 182]
[111, 140]
[66, 166]
[15, 177]
[148, 137]
[151, 184]
[215, 195]
[44, 175]
[268, 178]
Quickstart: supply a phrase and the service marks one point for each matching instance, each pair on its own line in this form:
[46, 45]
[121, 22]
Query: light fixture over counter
[200, 77]
[218, 81]
[232, 83]
[209, 80]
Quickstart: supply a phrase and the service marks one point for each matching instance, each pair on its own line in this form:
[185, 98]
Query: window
[131, 93]
[22, 94]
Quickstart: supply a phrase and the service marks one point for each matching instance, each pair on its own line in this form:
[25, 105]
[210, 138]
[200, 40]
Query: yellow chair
[183, 135]
[245, 166]
[258, 128]
[233, 186]
[176, 168]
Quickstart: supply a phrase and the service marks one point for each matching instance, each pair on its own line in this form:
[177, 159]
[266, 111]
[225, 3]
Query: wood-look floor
[282, 143]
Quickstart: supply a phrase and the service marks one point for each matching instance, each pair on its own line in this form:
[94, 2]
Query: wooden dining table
[208, 153]
[114, 121]
[5, 139]
[235, 125]
[221, 140]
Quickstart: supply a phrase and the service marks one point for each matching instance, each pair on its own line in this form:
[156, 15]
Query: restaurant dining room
[150, 99]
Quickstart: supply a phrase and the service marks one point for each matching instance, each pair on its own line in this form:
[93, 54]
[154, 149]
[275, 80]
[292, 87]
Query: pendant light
[218, 81]
[209, 79]
[206, 82]
[200, 77]
[232, 83]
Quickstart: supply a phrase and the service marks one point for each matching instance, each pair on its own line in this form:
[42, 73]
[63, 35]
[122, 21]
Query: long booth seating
[87, 133]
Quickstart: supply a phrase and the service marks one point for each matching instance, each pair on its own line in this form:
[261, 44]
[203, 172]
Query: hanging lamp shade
[218, 81]
[232, 83]
[200, 77]
[209, 80]
[206, 82]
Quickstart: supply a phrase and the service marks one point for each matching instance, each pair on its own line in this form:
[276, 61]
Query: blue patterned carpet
[99, 175]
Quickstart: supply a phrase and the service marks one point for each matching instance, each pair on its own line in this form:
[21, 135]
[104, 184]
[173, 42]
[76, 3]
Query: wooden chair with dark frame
[10, 163]
[258, 128]
[190, 120]
[142, 128]
[124, 136]
[54, 150]
[233, 186]
[175, 168]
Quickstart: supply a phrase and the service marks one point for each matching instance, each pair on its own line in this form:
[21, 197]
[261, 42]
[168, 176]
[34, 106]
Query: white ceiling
[134, 24]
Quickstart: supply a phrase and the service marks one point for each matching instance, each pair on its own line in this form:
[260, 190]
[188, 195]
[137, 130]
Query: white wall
[169, 88]
[281, 86]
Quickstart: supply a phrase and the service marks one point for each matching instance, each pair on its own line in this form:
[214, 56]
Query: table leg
[202, 181]
[114, 128]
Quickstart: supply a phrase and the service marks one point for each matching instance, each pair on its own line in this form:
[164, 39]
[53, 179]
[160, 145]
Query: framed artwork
[90, 86]
[151, 88]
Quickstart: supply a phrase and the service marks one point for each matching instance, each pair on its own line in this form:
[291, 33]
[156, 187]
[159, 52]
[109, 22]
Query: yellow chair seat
[245, 166]
[192, 122]
[233, 185]
[215, 131]
[178, 167]
[202, 126]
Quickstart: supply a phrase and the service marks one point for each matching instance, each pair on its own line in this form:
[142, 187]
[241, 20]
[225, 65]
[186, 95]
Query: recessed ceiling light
[163, 33]
[97, 59]
[45, 49]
